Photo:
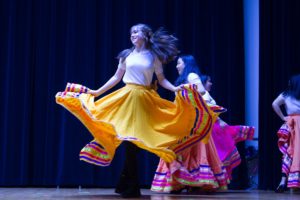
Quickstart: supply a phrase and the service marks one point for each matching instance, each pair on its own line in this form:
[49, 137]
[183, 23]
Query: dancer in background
[207, 82]
[136, 113]
[197, 164]
[226, 136]
[289, 134]
[202, 167]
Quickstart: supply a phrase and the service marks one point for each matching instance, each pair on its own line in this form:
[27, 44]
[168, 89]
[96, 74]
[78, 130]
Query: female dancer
[226, 136]
[202, 167]
[197, 164]
[289, 134]
[136, 113]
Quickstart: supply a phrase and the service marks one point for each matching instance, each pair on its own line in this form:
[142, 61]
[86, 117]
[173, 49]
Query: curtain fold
[45, 44]
[279, 60]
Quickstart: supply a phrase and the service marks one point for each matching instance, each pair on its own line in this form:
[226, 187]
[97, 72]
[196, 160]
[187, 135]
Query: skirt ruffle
[138, 114]
[207, 166]
[225, 138]
[289, 145]
[196, 166]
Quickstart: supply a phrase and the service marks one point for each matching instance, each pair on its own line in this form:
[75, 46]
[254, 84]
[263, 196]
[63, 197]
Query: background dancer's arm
[114, 80]
[276, 107]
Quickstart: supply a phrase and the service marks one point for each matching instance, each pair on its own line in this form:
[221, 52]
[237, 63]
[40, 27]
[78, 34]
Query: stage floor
[95, 194]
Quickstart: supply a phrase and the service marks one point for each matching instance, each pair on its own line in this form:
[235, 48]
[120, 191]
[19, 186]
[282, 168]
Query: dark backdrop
[279, 59]
[47, 43]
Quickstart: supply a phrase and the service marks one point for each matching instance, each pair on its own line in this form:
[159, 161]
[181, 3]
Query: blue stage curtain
[279, 60]
[46, 43]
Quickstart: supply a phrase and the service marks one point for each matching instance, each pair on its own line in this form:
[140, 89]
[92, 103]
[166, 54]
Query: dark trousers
[129, 178]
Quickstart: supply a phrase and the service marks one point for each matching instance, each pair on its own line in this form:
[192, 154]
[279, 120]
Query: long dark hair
[293, 88]
[162, 44]
[190, 67]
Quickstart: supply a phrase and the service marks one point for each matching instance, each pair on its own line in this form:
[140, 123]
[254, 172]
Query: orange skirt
[138, 114]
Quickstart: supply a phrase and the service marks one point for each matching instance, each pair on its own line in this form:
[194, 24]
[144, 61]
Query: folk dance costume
[207, 166]
[136, 113]
[225, 138]
[289, 143]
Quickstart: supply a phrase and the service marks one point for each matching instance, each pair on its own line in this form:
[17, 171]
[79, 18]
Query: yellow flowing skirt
[138, 114]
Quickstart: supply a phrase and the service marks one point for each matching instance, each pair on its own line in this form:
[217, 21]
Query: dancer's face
[180, 66]
[137, 36]
[208, 85]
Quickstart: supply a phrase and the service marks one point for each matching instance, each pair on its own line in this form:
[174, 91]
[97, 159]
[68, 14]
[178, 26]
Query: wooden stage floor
[95, 194]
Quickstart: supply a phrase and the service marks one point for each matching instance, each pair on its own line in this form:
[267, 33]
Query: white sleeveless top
[292, 105]
[140, 68]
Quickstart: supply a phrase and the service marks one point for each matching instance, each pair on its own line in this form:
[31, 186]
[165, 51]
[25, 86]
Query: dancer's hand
[178, 88]
[286, 118]
[93, 92]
